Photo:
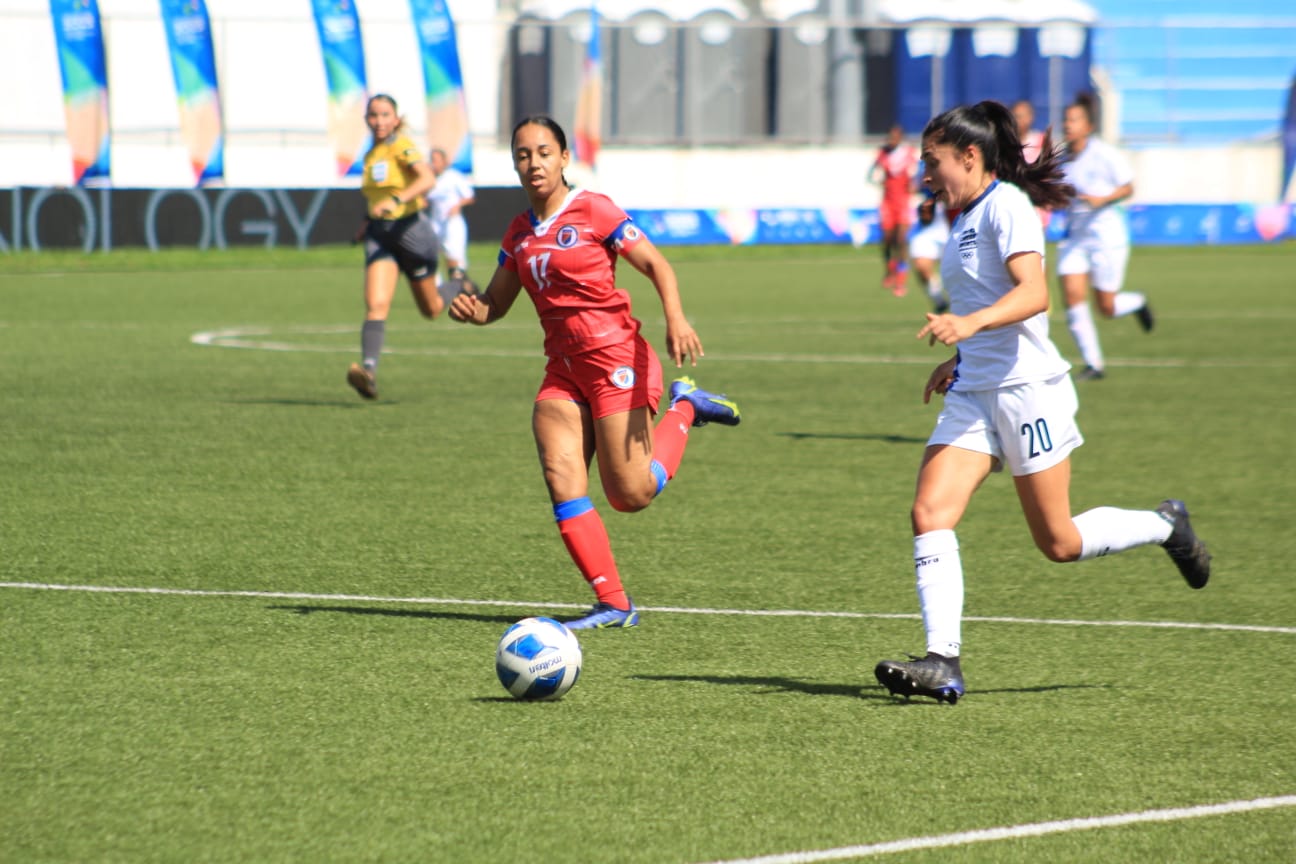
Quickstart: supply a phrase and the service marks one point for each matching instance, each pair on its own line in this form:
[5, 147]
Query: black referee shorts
[409, 240]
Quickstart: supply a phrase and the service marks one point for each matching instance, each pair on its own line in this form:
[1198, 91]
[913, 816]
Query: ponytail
[992, 129]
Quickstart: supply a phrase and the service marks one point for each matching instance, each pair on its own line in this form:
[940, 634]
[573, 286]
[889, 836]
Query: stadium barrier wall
[104, 219]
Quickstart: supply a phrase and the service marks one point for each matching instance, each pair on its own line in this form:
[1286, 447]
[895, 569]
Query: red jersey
[567, 264]
[900, 166]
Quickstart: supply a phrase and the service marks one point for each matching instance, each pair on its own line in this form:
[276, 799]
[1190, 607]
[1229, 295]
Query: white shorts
[1031, 427]
[929, 241]
[453, 234]
[1105, 263]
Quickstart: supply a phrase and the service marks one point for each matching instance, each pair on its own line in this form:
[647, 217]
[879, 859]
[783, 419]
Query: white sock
[1080, 321]
[934, 287]
[939, 576]
[1128, 302]
[1104, 530]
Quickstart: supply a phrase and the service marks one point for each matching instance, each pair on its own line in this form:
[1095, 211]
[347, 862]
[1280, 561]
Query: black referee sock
[371, 342]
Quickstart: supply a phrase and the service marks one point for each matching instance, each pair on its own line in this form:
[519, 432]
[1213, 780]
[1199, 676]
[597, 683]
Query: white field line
[941, 841]
[679, 610]
[1013, 832]
[254, 338]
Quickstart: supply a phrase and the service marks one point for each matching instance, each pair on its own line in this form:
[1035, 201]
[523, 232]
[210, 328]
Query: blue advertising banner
[193, 65]
[338, 27]
[79, 37]
[1150, 225]
[447, 110]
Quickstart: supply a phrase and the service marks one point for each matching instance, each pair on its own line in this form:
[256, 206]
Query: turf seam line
[678, 610]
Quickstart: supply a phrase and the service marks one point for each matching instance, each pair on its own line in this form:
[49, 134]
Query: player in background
[1032, 143]
[926, 247]
[895, 168]
[1032, 139]
[1008, 397]
[396, 238]
[603, 381]
[1096, 245]
[452, 193]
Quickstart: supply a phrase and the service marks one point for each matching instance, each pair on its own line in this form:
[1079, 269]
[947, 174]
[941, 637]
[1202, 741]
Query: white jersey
[1098, 169]
[928, 241]
[451, 188]
[999, 224]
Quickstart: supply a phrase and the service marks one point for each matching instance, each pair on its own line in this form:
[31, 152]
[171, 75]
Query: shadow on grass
[771, 685]
[848, 436]
[403, 613]
[873, 692]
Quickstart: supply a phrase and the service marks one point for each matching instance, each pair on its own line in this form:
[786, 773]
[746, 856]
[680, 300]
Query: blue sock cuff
[573, 508]
[659, 472]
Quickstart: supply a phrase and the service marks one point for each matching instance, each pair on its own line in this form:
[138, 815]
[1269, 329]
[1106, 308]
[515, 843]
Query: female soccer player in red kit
[602, 380]
[895, 168]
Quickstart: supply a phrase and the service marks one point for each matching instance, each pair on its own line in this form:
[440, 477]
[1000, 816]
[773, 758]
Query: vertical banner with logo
[447, 110]
[79, 37]
[1288, 191]
[589, 101]
[338, 26]
[193, 65]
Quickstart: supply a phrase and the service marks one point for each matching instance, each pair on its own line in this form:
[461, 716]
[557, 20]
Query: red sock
[587, 542]
[671, 436]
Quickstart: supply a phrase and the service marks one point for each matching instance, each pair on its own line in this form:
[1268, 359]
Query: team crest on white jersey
[567, 236]
[967, 243]
[622, 377]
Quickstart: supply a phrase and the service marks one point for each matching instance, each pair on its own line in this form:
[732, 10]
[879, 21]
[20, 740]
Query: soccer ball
[538, 658]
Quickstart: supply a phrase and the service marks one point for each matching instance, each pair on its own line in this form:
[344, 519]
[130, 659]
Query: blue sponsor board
[1150, 224]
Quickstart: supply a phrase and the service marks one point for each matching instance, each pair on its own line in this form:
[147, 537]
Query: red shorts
[895, 213]
[609, 380]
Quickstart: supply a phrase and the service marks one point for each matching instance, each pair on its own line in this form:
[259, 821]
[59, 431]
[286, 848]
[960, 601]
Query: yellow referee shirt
[388, 168]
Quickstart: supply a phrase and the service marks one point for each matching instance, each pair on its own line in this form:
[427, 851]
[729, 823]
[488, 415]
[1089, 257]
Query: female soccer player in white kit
[452, 193]
[1096, 245]
[1008, 396]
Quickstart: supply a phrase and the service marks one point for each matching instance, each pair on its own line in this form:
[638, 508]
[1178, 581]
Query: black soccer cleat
[1089, 373]
[935, 675]
[1145, 317]
[1183, 546]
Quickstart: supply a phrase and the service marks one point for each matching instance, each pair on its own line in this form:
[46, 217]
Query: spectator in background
[1096, 245]
[452, 193]
[895, 168]
[396, 239]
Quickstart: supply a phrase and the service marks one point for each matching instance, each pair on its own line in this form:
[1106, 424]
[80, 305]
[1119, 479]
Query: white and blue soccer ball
[538, 658]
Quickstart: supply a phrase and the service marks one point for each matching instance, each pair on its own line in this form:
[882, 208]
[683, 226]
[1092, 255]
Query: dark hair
[1089, 105]
[992, 129]
[549, 123]
[400, 121]
[541, 120]
[384, 97]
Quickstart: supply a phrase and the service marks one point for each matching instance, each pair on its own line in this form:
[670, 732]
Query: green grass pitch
[294, 706]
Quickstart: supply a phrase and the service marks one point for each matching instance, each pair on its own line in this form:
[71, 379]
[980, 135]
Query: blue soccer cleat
[707, 407]
[935, 675]
[605, 616]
